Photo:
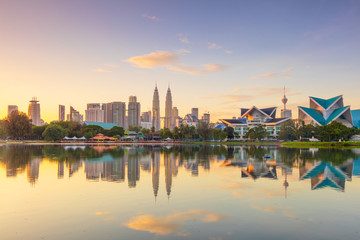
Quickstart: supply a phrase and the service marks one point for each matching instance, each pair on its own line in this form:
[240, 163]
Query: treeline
[297, 130]
[18, 126]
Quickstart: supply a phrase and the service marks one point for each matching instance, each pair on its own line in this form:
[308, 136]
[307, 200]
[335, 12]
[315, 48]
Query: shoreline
[282, 144]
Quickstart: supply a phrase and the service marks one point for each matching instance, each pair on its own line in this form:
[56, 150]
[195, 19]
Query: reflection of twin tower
[170, 112]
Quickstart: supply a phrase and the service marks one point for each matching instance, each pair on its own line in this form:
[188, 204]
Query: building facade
[119, 113]
[133, 112]
[61, 113]
[156, 110]
[94, 113]
[34, 112]
[12, 108]
[75, 116]
[324, 111]
[253, 117]
[195, 112]
[168, 110]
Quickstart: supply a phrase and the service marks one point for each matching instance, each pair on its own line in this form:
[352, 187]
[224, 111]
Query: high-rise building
[195, 112]
[285, 113]
[75, 116]
[146, 116]
[12, 108]
[94, 113]
[61, 113]
[168, 110]
[206, 117]
[108, 112]
[175, 115]
[34, 112]
[146, 120]
[133, 112]
[119, 112]
[156, 110]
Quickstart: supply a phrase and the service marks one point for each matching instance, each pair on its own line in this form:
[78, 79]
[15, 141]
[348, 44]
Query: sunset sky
[218, 56]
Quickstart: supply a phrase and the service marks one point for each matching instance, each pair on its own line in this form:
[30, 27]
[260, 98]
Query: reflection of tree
[17, 157]
[335, 156]
[257, 152]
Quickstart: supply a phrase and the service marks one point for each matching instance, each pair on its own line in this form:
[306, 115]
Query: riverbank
[283, 144]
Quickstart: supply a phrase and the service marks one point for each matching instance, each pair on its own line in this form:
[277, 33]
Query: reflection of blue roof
[356, 169]
[320, 168]
[325, 103]
[317, 116]
[104, 158]
[356, 117]
[101, 124]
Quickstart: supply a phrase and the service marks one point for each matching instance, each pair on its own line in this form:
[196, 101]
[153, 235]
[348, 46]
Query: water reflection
[324, 167]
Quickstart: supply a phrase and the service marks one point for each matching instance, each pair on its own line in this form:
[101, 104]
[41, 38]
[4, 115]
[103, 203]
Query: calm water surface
[187, 192]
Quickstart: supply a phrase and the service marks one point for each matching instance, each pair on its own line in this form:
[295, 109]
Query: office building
[133, 112]
[195, 112]
[206, 117]
[12, 108]
[34, 112]
[156, 110]
[75, 116]
[61, 113]
[119, 113]
[175, 115]
[94, 113]
[168, 110]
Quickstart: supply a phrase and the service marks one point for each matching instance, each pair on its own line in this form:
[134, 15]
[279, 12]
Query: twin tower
[169, 121]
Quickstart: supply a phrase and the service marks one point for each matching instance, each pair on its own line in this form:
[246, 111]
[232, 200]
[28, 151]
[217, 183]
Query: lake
[178, 192]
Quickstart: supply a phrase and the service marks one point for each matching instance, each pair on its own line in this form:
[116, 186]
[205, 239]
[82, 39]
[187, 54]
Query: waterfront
[178, 192]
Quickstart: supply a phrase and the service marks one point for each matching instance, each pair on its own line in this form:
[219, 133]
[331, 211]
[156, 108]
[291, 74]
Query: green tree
[203, 128]
[53, 133]
[230, 132]
[37, 131]
[135, 128]
[116, 131]
[258, 133]
[2, 130]
[289, 130]
[18, 125]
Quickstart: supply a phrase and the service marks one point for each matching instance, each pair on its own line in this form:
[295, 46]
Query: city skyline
[232, 58]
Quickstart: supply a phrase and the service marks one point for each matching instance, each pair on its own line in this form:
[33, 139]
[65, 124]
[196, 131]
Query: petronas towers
[168, 120]
[156, 110]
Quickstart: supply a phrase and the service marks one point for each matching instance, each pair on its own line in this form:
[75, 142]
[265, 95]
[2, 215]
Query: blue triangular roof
[334, 114]
[244, 110]
[356, 118]
[325, 103]
[101, 124]
[314, 114]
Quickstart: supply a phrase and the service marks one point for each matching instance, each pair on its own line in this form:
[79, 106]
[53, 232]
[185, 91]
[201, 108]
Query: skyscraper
[61, 113]
[108, 112]
[119, 112]
[94, 113]
[206, 117]
[75, 116]
[175, 115]
[34, 112]
[195, 112]
[156, 110]
[168, 110]
[12, 108]
[133, 112]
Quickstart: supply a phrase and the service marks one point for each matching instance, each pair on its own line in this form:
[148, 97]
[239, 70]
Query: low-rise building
[253, 117]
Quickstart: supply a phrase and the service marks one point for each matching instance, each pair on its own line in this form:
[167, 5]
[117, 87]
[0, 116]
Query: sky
[218, 56]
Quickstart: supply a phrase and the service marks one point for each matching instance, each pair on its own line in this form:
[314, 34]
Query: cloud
[228, 52]
[153, 18]
[288, 70]
[207, 68]
[266, 75]
[171, 223]
[182, 51]
[213, 46]
[183, 38]
[102, 70]
[100, 213]
[154, 59]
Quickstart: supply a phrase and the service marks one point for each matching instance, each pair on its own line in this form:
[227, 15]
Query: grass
[320, 144]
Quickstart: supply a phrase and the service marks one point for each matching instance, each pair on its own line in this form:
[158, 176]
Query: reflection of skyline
[113, 164]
